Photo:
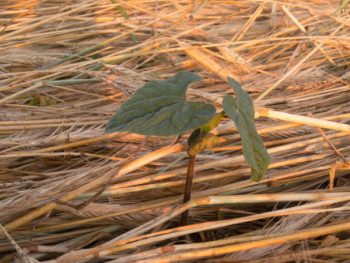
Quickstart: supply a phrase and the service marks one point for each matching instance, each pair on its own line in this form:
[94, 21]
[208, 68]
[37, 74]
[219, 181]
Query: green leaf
[241, 112]
[159, 108]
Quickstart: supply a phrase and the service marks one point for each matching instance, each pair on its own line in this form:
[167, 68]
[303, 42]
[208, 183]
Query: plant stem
[188, 187]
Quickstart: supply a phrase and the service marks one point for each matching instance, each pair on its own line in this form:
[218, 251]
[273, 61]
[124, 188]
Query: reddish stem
[188, 188]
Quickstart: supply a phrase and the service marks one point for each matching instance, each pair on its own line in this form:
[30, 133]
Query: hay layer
[69, 192]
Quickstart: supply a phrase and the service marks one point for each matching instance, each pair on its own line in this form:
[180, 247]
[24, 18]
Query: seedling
[160, 108]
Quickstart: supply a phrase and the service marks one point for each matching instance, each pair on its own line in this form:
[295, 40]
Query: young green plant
[160, 108]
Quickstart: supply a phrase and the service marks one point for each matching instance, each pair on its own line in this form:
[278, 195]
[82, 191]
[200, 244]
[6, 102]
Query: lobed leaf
[241, 112]
[159, 108]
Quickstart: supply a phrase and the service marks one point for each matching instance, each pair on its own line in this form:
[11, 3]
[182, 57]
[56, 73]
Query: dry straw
[69, 192]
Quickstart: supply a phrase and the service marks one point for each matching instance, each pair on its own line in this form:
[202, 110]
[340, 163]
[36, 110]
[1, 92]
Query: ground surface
[67, 66]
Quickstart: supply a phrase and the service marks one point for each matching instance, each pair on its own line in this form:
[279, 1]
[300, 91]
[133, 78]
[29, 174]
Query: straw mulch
[71, 193]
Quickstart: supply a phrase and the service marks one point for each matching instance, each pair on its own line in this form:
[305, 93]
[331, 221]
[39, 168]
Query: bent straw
[133, 165]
